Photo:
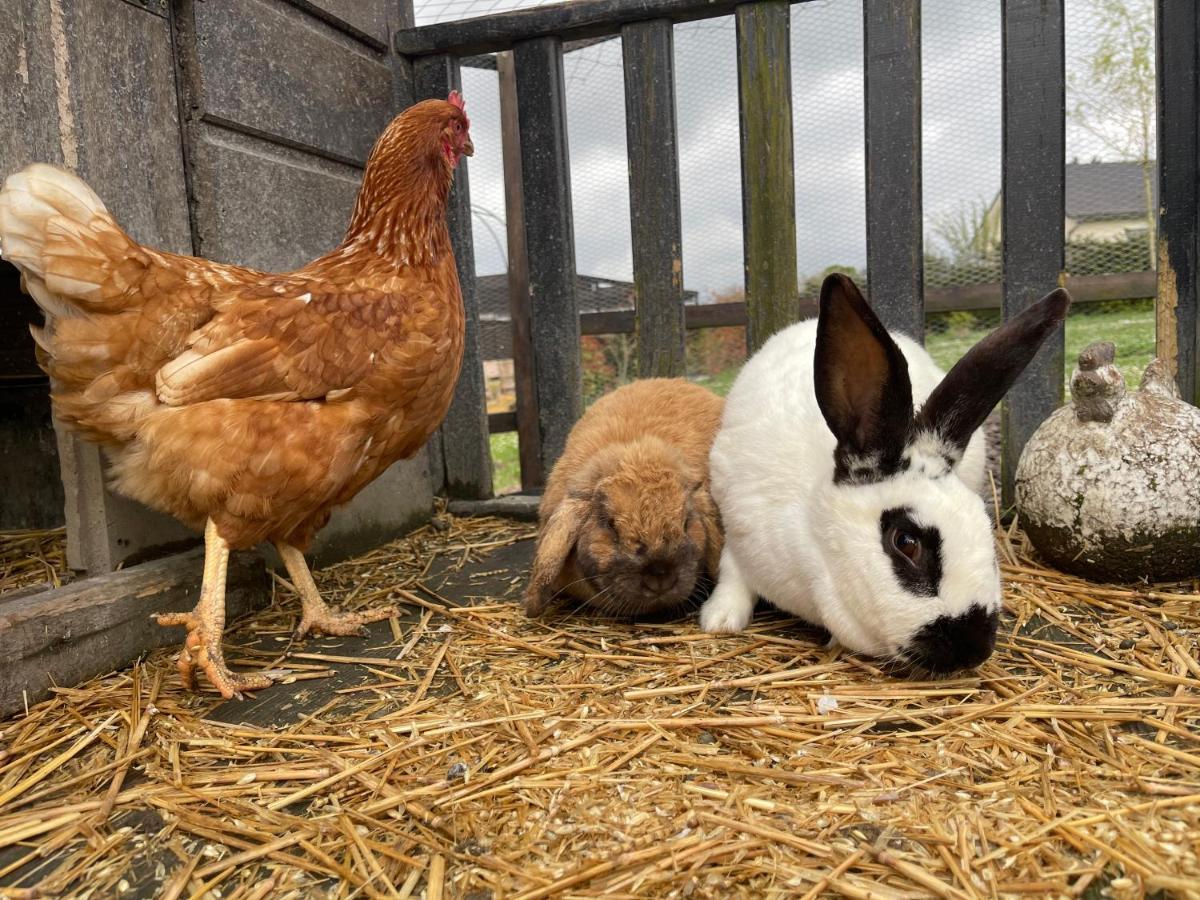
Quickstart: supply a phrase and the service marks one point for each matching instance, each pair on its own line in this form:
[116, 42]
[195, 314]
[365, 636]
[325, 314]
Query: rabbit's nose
[659, 576]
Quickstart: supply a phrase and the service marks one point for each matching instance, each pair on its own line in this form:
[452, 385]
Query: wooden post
[1033, 212]
[768, 173]
[529, 437]
[550, 236]
[651, 136]
[1178, 306]
[466, 446]
[895, 267]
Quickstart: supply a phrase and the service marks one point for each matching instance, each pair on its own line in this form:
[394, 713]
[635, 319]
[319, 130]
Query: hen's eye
[907, 544]
[458, 126]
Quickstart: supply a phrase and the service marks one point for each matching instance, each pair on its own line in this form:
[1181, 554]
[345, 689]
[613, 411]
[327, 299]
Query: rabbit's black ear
[862, 385]
[978, 381]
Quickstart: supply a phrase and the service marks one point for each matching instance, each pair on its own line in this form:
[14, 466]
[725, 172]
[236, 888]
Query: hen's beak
[467, 148]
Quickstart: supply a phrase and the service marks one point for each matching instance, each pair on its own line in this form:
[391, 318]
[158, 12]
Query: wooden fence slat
[895, 266]
[1178, 308]
[466, 448]
[1034, 106]
[570, 21]
[768, 173]
[549, 233]
[652, 140]
[529, 437]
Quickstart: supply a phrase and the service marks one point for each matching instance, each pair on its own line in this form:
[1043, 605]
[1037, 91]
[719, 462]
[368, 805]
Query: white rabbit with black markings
[844, 506]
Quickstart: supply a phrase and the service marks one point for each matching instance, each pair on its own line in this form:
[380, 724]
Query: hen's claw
[202, 650]
[319, 618]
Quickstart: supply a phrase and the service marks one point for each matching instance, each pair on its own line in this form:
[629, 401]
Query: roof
[1107, 190]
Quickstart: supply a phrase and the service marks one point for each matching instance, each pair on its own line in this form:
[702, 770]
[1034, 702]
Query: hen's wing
[290, 338]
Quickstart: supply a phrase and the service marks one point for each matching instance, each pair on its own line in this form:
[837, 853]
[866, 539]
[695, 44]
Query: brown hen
[244, 403]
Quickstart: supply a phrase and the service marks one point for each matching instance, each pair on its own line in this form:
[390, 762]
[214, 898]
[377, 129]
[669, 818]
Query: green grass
[506, 465]
[1129, 325]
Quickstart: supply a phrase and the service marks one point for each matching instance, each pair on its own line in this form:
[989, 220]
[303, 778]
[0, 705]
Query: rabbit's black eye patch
[915, 551]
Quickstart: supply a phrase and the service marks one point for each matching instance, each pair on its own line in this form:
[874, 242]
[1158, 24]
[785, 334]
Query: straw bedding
[469, 752]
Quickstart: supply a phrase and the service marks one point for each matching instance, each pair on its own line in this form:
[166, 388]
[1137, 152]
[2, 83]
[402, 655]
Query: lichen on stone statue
[1109, 486]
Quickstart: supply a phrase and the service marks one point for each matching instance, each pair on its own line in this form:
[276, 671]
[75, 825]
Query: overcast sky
[960, 134]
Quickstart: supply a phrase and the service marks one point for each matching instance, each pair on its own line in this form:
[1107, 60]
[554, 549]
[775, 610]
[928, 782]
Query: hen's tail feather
[57, 231]
[82, 270]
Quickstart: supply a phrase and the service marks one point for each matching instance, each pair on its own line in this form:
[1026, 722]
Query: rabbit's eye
[907, 544]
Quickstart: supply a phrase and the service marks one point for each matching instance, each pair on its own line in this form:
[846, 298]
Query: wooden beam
[529, 437]
[1178, 250]
[570, 21]
[64, 636]
[466, 450]
[546, 188]
[768, 173]
[895, 264]
[1034, 106]
[656, 227]
[972, 298]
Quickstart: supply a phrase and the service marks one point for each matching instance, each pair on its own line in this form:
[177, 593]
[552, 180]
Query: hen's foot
[202, 650]
[317, 616]
[205, 625]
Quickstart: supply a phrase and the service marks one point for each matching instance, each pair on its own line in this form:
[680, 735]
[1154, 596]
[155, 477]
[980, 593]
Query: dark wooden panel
[768, 185]
[465, 446]
[892, 47]
[546, 187]
[366, 20]
[256, 201]
[33, 494]
[268, 69]
[1032, 166]
[29, 124]
[123, 137]
[67, 635]
[502, 421]
[574, 20]
[653, 145]
[529, 436]
[1179, 203]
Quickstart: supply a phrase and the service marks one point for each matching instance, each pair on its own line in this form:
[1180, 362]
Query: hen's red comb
[455, 99]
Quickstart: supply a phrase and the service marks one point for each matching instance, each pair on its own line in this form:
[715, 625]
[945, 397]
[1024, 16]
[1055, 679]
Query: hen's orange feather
[258, 400]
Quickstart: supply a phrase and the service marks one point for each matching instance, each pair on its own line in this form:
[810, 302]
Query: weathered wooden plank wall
[529, 435]
[1034, 106]
[466, 455]
[656, 227]
[236, 130]
[895, 265]
[768, 172]
[1178, 310]
[546, 191]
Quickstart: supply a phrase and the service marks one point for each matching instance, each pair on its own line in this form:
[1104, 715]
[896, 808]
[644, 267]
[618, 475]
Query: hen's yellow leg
[317, 615]
[206, 623]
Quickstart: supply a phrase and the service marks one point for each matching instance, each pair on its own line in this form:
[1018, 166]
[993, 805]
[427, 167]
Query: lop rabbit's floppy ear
[554, 546]
[978, 381]
[714, 539]
[862, 384]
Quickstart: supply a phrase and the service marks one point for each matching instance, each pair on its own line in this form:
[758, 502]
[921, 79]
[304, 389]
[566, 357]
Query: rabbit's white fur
[812, 547]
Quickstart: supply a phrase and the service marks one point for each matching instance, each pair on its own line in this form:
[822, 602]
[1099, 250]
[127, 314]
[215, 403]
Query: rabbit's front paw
[727, 611]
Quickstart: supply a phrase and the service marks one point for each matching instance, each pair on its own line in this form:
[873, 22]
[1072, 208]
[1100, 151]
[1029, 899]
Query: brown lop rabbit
[627, 524]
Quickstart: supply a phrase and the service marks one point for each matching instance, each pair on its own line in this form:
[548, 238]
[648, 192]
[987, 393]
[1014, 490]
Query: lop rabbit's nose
[659, 576]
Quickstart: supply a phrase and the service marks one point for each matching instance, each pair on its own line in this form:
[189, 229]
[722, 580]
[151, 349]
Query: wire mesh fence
[1108, 229]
